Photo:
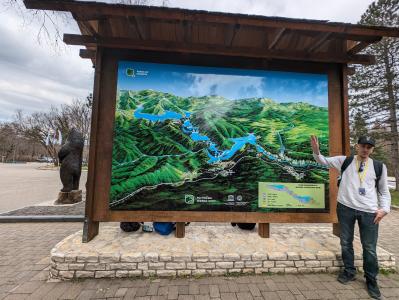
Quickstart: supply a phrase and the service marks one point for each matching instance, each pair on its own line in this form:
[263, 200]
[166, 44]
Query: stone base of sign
[205, 250]
[69, 197]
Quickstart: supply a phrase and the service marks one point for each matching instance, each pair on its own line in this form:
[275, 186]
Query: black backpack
[129, 226]
[377, 169]
[245, 226]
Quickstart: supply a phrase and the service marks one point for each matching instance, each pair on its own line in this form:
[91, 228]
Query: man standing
[364, 196]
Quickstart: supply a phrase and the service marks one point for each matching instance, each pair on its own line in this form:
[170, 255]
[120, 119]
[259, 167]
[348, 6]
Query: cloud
[337, 11]
[313, 89]
[34, 77]
[228, 86]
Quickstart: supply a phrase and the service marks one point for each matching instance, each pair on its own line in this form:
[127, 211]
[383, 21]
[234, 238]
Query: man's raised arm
[332, 162]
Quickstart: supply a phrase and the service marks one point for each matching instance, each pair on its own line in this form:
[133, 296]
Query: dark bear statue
[70, 157]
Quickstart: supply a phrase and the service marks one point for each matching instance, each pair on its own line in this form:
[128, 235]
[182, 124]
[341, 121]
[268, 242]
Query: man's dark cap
[366, 140]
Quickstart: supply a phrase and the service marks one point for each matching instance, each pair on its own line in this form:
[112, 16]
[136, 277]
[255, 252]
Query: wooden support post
[336, 229]
[90, 230]
[264, 230]
[180, 229]
[345, 128]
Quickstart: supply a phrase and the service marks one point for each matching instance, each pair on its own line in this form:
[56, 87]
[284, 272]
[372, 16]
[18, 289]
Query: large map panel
[217, 139]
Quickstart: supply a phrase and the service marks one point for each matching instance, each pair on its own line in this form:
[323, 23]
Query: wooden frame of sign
[99, 175]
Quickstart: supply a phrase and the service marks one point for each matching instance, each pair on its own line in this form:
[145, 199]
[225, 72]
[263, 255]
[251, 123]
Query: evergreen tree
[359, 127]
[374, 89]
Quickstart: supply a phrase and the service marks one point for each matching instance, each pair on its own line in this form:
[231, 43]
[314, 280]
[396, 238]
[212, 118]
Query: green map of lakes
[211, 150]
[291, 195]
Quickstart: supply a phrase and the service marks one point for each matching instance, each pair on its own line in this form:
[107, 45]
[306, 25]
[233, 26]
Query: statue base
[71, 197]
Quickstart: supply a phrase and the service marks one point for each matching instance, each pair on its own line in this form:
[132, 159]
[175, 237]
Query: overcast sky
[35, 76]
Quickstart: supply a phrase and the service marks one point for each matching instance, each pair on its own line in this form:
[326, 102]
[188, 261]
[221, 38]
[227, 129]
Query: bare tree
[79, 115]
[51, 23]
[7, 142]
[37, 127]
[14, 146]
[40, 127]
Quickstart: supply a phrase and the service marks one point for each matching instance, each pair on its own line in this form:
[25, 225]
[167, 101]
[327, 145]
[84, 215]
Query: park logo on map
[130, 72]
[189, 199]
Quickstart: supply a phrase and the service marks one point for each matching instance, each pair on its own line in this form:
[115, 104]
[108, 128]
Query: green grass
[387, 272]
[395, 198]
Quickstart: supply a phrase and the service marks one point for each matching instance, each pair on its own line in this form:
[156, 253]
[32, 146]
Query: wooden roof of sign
[203, 32]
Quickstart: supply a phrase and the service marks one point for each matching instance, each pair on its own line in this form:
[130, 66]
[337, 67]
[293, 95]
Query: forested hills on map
[209, 153]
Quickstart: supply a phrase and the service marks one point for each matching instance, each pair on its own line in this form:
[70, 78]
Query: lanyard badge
[362, 168]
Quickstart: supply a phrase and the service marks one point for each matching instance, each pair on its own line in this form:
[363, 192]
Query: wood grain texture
[180, 230]
[264, 230]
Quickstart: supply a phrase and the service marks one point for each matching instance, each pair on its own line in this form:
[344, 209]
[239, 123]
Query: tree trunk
[392, 116]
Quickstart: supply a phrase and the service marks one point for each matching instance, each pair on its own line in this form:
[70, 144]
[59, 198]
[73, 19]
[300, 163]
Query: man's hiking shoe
[345, 278]
[372, 289]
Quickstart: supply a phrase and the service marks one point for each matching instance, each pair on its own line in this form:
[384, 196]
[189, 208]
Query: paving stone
[183, 290]
[238, 264]
[214, 291]
[109, 258]
[42, 291]
[156, 265]
[231, 257]
[175, 265]
[66, 274]
[226, 264]
[173, 292]
[228, 296]
[185, 297]
[27, 266]
[27, 287]
[104, 274]
[57, 291]
[202, 297]
[270, 296]
[165, 257]
[166, 273]
[132, 257]
[181, 257]
[293, 256]
[286, 295]
[200, 257]
[259, 256]
[149, 273]
[284, 263]
[151, 256]
[73, 291]
[184, 272]
[307, 256]
[206, 265]
[153, 289]
[277, 256]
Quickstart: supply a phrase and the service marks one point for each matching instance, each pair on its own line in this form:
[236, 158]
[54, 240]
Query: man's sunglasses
[361, 167]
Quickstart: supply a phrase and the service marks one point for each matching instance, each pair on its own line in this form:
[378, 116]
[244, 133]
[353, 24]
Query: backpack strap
[348, 160]
[378, 166]
[378, 172]
[346, 163]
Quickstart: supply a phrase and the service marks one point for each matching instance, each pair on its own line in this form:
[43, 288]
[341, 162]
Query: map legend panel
[291, 195]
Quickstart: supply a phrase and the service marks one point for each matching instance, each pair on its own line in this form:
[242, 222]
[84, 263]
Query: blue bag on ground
[164, 228]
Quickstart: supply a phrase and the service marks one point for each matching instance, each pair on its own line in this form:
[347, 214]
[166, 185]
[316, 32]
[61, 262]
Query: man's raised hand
[315, 144]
